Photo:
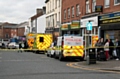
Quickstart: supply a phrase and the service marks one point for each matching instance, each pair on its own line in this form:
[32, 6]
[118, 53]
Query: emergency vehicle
[42, 42]
[30, 40]
[69, 47]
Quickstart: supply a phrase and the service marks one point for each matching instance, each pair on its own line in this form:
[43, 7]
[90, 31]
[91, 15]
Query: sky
[17, 11]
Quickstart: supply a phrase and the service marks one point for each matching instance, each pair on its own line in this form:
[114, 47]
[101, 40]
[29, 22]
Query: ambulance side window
[41, 39]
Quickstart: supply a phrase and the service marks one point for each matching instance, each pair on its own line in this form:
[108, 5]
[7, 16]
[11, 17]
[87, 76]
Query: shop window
[116, 2]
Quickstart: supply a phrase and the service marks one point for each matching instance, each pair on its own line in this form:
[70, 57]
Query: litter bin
[91, 56]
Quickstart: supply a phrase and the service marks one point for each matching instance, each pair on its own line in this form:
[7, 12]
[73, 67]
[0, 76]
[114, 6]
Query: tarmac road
[27, 65]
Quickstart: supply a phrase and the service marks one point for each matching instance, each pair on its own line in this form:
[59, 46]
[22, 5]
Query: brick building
[77, 14]
[71, 14]
[109, 19]
[10, 30]
[7, 30]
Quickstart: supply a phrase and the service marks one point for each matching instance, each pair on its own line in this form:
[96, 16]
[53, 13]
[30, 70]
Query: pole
[88, 62]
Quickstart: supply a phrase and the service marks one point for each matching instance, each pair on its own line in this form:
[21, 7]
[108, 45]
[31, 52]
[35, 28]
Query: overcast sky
[17, 11]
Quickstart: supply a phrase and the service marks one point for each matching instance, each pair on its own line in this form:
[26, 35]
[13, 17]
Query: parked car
[2, 46]
[13, 45]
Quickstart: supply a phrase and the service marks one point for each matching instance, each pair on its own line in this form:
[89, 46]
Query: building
[109, 19]
[7, 30]
[23, 29]
[71, 15]
[35, 21]
[53, 17]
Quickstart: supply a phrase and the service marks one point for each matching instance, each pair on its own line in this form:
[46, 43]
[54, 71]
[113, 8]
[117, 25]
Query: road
[27, 65]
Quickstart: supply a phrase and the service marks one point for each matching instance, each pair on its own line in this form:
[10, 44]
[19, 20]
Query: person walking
[117, 47]
[106, 49]
[111, 48]
[97, 45]
[20, 47]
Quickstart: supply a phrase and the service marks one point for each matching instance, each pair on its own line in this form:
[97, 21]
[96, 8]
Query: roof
[23, 24]
[9, 25]
[36, 16]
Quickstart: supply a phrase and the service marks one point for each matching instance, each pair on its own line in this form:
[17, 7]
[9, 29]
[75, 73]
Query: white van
[69, 47]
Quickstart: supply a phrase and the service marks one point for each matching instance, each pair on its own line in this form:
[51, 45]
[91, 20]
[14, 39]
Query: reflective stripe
[47, 41]
[73, 51]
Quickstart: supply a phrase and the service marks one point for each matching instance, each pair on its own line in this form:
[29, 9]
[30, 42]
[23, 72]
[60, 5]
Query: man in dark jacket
[111, 48]
[20, 47]
[117, 44]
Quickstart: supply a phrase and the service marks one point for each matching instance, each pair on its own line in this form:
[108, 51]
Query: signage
[64, 27]
[115, 20]
[85, 21]
[75, 25]
[98, 8]
[89, 26]
[109, 18]
[73, 40]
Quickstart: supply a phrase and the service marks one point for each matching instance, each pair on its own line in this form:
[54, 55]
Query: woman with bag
[106, 49]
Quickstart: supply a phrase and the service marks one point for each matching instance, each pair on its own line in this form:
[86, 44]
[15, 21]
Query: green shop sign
[75, 25]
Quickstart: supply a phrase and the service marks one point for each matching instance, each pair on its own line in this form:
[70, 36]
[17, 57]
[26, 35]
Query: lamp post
[89, 28]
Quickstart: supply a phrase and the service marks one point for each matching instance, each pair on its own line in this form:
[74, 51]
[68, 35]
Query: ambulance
[30, 40]
[42, 42]
[69, 47]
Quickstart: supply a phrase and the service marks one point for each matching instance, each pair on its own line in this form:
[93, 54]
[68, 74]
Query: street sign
[89, 26]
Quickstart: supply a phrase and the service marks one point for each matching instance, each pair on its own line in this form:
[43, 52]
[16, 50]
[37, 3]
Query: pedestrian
[111, 48]
[117, 47]
[97, 46]
[106, 49]
[20, 47]
[102, 42]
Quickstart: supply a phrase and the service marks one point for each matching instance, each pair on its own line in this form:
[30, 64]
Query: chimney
[39, 11]
[44, 10]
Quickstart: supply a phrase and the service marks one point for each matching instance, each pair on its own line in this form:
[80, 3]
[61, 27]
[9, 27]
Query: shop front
[110, 25]
[90, 37]
[65, 29]
[75, 28]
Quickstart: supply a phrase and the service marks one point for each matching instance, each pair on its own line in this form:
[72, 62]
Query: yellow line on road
[90, 69]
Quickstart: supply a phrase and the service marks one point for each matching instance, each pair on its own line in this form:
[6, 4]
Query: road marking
[85, 68]
[44, 57]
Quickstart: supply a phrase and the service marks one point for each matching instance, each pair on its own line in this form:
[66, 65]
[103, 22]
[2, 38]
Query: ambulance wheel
[81, 58]
[60, 57]
[55, 56]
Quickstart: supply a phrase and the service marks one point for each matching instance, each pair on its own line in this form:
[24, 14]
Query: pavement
[110, 65]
